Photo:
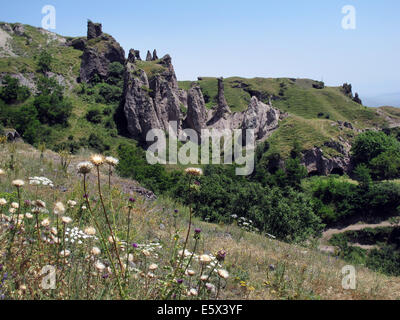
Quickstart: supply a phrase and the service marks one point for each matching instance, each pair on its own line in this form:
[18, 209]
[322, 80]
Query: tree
[371, 144]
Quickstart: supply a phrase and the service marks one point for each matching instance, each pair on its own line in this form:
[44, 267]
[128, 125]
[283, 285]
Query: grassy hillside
[267, 269]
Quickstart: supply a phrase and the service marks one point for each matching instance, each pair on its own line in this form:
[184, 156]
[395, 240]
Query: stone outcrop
[94, 30]
[222, 111]
[100, 51]
[196, 117]
[262, 118]
[151, 103]
[155, 57]
[316, 163]
[149, 57]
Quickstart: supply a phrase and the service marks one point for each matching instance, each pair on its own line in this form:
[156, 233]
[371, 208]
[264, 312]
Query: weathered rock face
[196, 113]
[149, 56]
[262, 118]
[94, 30]
[155, 57]
[139, 107]
[100, 51]
[316, 163]
[222, 112]
[151, 103]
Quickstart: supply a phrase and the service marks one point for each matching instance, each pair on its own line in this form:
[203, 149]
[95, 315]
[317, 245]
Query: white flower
[193, 292]
[46, 222]
[3, 202]
[18, 183]
[205, 259]
[14, 205]
[190, 273]
[99, 266]
[97, 160]
[65, 253]
[71, 203]
[12, 210]
[59, 208]
[66, 220]
[95, 251]
[2, 172]
[194, 172]
[84, 167]
[90, 231]
[28, 215]
[153, 267]
[223, 274]
[112, 161]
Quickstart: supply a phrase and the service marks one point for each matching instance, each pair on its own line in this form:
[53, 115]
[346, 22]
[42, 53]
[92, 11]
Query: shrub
[94, 116]
[12, 92]
[44, 62]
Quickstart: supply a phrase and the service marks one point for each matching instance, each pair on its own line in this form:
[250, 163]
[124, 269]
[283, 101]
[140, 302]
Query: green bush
[94, 116]
[12, 92]
[44, 62]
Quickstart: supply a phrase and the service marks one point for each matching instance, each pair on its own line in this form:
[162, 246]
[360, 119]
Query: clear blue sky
[253, 38]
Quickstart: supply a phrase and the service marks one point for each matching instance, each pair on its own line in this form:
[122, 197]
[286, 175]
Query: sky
[253, 38]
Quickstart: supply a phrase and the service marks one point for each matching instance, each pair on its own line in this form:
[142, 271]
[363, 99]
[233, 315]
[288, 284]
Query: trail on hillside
[328, 234]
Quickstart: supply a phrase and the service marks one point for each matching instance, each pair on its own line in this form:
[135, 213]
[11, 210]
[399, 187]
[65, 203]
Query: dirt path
[328, 234]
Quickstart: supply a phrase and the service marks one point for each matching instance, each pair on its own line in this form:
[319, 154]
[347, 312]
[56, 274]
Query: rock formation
[155, 57]
[100, 51]
[196, 117]
[151, 103]
[94, 30]
[222, 110]
[262, 118]
[149, 57]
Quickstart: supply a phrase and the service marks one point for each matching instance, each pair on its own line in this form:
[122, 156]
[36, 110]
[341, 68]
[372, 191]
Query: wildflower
[66, 220]
[3, 202]
[112, 161]
[2, 172]
[84, 208]
[194, 172]
[84, 167]
[40, 204]
[135, 245]
[90, 231]
[151, 275]
[221, 255]
[95, 251]
[190, 273]
[193, 292]
[97, 160]
[179, 281]
[18, 183]
[71, 203]
[204, 278]
[65, 253]
[197, 231]
[153, 267]
[14, 205]
[99, 266]
[187, 253]
[12, 210]
[54, 231]
[46, 222]
[132, 200]
[28, 215]
[210, 287]
[59, 208]
[146, 253]
[205, 259]
[223, 274]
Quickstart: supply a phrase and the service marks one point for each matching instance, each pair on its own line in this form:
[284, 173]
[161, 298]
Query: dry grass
[260, 268]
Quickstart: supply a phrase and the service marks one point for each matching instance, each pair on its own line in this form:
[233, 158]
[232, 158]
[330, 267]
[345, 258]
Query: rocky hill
[323, 120]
